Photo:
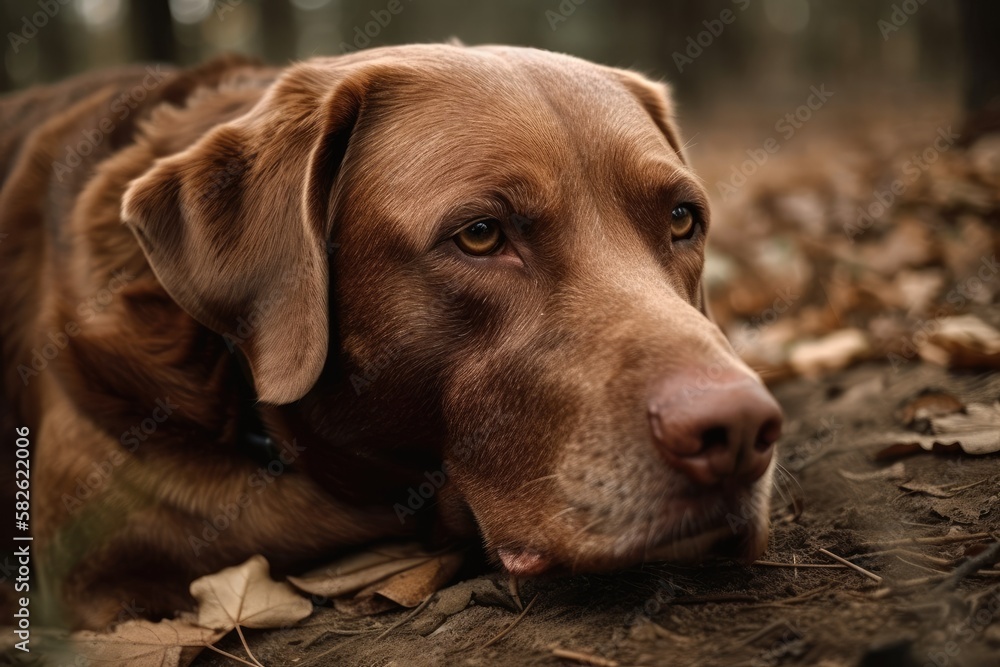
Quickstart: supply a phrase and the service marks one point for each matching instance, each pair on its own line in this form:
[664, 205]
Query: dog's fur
[283, 234]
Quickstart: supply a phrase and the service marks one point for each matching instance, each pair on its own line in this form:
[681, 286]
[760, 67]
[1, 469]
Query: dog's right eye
[480, 238]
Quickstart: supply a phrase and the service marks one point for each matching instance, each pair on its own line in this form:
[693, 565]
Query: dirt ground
[834, 496]
[781, 248]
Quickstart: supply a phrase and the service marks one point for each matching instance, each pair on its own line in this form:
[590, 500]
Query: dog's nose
[714, 430]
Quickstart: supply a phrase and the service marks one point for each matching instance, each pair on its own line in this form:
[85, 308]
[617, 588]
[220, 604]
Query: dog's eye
[481, 237]
[682, 222]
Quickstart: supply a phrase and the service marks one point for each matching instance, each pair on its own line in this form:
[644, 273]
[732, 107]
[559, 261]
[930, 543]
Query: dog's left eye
[480, 238]
[682, 222]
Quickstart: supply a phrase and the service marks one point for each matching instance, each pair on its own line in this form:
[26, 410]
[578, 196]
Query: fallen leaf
[170, 643]
[930, 403]
[976, 432]
[454, 599]
[895, 471]
[832, 352]
[962, 513]
[410, 588]
[403, 573]
[926, 489]
[977, 418]
[964, 341]
[324, 581]
[245, 595]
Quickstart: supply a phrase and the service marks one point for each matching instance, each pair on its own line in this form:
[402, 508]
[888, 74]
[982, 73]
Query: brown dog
[343, 284]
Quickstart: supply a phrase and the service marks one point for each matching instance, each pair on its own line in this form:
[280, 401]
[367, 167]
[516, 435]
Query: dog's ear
[236, 227]
[655, 99]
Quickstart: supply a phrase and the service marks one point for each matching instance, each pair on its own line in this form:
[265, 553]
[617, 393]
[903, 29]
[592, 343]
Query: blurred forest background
[851, 148]
[772, 44]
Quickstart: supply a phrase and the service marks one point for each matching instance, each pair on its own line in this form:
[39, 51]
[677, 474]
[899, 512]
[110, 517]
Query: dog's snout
[714, 430]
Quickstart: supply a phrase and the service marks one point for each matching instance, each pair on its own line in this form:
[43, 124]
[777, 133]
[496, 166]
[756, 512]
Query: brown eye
[480, 238]
[682, 223]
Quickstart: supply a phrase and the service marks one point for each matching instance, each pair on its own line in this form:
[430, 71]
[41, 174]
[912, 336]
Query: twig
[720, 597]
[510, 627]
[416, 610]
[824, 566]
[857, 568]
[763, 632]
[229, 655]
[896, 551]
[941, 539]
[985, 559]
[907, 583]
[956, 489]
[584, 658]
[798, 598]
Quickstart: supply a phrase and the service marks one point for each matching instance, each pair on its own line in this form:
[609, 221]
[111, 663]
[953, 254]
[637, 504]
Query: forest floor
[909, 521]
[876, 328]
[856, 270]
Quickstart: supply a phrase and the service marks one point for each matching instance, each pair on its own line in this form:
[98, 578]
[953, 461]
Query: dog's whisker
[595, 522]
[559, 514]
[538, 479]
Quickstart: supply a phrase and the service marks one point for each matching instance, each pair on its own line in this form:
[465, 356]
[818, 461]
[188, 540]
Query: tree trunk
[980, 21]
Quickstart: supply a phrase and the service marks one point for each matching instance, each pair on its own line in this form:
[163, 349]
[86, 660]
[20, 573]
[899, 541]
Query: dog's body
[325, 239]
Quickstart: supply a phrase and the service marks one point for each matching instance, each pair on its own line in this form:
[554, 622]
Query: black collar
[253, 440]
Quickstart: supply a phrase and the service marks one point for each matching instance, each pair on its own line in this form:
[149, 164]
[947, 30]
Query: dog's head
[494, 255]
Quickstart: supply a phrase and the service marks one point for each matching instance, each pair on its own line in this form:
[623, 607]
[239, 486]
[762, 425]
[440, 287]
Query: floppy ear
[236, 226]
[655, 99]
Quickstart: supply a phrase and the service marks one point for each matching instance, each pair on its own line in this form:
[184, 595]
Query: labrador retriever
[252, 311]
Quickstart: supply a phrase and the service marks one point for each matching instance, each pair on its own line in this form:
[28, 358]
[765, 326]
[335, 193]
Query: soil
[833, 495]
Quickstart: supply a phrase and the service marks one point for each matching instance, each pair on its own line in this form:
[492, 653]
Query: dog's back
[52, 140]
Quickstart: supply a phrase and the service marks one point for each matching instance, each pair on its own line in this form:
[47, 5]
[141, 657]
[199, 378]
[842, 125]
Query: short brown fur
[296, 222]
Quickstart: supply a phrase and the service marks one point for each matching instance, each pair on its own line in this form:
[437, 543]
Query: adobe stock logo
[363, 36]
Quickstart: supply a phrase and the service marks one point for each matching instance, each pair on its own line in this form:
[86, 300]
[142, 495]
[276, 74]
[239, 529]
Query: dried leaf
[926, 489]
[895, 471]
[964, 341]
[975, 432]
[325, 581]
[454, 599]
[977, 418]
[929, 404]
[833, 352]
[960, 512]
[412, 587]
[171, 643]
[246, 595]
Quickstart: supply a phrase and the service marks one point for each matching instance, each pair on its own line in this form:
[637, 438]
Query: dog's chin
[733, 538]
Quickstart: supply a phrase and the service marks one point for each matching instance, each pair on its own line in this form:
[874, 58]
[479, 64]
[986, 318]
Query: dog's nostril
[729, 432]
[717, 436]
[768, 435]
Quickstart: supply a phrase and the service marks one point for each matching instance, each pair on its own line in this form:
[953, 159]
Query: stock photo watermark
[562, 13]
[230, 511]
[58, 340]
[102, 471]
[121, 107]
[786, 126]
[421, 495]
[697, 44]
[900, 14]
[363, 35]
[883, 199]
[32, 23]
[957, 297]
